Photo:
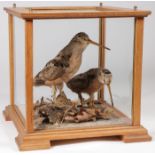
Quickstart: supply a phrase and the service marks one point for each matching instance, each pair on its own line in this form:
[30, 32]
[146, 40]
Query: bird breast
[75, 63]
[76, 49]
[94, 86]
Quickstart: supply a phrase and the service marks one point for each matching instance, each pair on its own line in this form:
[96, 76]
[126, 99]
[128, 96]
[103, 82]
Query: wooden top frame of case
[75, 12]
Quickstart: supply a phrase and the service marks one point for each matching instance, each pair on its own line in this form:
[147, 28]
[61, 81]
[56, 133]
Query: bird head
[104, 76]
[83, 38]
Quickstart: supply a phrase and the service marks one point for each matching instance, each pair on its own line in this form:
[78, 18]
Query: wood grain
[11, 58]
[101, 59]
[59, 8]
[13, 116]
[29, 74]
[136, 138]
[74, 12]
[20, 115]
[32, 144]
[137, 70]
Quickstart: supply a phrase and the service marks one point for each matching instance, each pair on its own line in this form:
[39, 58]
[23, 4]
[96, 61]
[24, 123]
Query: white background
[7, 130]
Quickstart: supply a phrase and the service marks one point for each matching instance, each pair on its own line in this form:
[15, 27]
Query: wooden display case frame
[28, 138]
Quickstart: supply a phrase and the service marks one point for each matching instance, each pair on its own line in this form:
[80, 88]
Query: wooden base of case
[43, 139]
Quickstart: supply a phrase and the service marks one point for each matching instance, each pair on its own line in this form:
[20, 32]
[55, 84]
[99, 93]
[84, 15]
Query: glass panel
[19, 53]
[119, 37]
[50, 37]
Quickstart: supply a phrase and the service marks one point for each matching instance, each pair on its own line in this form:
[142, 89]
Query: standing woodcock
[63, 67]
[89, 82]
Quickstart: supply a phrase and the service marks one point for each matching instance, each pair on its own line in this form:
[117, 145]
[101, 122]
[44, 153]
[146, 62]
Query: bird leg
[60, 88]
[81, 99]
[54, 91]
[92, 100]
[110, 93]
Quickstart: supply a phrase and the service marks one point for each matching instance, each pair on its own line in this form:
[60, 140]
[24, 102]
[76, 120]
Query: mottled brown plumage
[65, 64]
[90, 82]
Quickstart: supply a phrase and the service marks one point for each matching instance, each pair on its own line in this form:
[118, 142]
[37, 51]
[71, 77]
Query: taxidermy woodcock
[63, 67]
[90, 82]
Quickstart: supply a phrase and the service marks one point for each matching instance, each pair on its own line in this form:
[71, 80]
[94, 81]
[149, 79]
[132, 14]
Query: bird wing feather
[78, 83]
[82, 81]
[54, 69]
[51, 72]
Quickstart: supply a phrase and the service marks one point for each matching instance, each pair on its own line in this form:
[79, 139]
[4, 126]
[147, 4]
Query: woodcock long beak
[93, 42]
[110, 93]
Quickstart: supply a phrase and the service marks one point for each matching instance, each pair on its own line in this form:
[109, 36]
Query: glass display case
[77, 75]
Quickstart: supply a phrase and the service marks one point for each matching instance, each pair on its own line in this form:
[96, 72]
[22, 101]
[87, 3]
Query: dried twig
[62, 110]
